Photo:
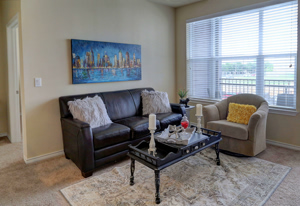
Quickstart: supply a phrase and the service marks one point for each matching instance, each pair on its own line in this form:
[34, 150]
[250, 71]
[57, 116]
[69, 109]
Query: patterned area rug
[196, 180]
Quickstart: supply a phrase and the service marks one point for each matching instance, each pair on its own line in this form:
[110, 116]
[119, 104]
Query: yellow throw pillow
[240, 113]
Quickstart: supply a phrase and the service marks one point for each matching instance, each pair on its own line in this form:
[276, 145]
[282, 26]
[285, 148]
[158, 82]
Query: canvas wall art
[95, 61]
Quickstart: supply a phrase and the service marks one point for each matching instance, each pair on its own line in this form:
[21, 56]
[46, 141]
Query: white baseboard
[285, 145]
[4, 134]
[44, 157]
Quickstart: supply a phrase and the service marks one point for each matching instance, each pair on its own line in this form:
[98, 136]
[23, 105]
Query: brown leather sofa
[90, 148]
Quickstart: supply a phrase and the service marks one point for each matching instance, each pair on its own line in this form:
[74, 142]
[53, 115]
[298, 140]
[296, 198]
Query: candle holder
[152, 147]
[199, 124]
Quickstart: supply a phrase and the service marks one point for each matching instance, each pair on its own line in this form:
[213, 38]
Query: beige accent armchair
[243, 139]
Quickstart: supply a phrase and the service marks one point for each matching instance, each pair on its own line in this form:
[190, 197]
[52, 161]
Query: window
[254, 51]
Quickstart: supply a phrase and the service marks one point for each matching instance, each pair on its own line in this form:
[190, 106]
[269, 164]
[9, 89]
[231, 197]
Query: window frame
[272, 109]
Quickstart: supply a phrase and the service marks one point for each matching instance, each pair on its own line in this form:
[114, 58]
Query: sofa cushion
[119, 104]
[137, 98]
[167, 119]
[110, 150]
[138, 125]
[229, 129]
[110, 134]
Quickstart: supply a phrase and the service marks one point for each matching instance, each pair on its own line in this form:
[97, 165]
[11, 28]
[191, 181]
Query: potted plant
[182, 94]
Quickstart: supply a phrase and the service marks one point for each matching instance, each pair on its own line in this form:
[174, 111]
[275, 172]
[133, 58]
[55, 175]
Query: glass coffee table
[168, 154]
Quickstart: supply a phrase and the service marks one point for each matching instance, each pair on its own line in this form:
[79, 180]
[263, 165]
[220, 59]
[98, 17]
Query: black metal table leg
[132, 171]
[157, 183]
[217, 152]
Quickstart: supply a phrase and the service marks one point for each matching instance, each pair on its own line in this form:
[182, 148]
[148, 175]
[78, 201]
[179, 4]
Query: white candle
[199, 110]
[152, 121]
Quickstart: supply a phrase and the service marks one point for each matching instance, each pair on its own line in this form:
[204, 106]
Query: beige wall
[48, 27]
[280, 128]
[8, 9]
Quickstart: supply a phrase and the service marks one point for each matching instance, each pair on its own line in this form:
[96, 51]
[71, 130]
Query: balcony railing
[276, 92]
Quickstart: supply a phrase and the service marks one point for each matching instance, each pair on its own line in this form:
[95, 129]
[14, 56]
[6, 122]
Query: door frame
[13, 60]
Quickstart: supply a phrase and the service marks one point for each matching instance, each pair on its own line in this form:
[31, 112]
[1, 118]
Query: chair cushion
[229, 129]
[110, 134]
[167, 119]
[138, 125]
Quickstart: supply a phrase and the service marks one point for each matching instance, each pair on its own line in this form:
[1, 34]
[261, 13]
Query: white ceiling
[175, 3]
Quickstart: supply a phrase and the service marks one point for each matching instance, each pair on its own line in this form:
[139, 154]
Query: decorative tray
[172, 138]
[164, 153]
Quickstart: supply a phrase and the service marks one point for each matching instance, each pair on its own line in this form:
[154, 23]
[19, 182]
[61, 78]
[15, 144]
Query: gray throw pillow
[90, 110]
[155, 102]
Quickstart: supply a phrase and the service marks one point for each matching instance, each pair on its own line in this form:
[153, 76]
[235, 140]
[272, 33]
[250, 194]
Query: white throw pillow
[90, 110]
[155, 102]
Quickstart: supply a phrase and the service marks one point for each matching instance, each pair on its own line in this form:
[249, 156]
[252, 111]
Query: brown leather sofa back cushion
[136, 95]
[119, 104]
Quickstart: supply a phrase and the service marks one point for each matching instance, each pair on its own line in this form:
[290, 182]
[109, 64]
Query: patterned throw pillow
[240, 113]
[155, 102]
[90, 110]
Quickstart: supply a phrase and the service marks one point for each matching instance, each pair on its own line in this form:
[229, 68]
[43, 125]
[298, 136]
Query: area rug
[195, 181]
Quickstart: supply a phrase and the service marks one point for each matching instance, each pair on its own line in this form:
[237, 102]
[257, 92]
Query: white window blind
[253, 51]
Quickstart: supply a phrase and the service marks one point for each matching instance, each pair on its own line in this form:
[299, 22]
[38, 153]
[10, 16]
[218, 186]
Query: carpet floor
[40, 183]
[194, 181]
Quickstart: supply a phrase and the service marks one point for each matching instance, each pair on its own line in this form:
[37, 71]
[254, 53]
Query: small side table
[188, 109]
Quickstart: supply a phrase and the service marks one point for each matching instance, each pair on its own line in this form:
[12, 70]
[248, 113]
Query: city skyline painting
[95, 61]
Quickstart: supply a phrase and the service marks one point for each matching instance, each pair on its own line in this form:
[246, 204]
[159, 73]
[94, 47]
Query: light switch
[38, 82]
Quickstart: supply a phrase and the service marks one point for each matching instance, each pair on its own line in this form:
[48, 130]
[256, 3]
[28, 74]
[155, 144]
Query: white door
[12, 30]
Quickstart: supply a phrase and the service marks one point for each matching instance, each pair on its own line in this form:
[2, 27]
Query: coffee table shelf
[165, 153]
[168, 154]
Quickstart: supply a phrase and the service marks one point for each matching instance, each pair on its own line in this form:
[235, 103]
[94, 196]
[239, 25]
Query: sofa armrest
[258, 123]
[178, 108]
[75, 122]
[210, 113]
[78, 143]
